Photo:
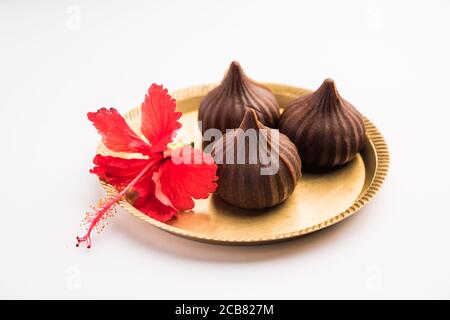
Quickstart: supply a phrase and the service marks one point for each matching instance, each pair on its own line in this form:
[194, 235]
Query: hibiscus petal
[188, 173]
[116, 134]
[149, 204]
[117, 171]
[120, 172]
[159, 119]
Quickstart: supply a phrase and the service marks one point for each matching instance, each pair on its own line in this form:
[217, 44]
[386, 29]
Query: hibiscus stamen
[105, 208]
[102, 222]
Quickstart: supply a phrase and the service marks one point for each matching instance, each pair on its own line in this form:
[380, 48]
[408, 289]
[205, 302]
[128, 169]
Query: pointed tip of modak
[250, 120]
[235, 65]
[328, 89]
[235, 72]
[329, 84]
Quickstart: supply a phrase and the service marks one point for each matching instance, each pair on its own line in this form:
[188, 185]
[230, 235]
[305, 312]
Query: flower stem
[107, 206]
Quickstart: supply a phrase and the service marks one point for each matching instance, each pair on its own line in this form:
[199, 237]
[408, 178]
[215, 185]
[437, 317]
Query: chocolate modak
[224, 106]
[258, 167]
[327, 130]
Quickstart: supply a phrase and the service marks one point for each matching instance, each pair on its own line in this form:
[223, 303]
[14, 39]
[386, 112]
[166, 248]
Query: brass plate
[319, 200]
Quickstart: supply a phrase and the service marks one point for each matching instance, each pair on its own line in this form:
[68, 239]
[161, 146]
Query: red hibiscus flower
[162, 183]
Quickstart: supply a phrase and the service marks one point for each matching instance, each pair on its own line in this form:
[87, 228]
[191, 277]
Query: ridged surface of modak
[327, 130]
[243, 185]
[224, 106]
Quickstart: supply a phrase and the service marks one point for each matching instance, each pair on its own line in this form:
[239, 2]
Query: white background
[59, 60]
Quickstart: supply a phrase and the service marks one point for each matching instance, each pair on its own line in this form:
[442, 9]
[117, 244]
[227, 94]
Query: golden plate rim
[381, 170]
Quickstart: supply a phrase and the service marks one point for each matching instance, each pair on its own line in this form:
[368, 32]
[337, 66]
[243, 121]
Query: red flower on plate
[162, 183]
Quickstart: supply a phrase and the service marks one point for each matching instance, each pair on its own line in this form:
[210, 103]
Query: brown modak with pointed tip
[258, 167]
[224, 106]
[327, 130]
